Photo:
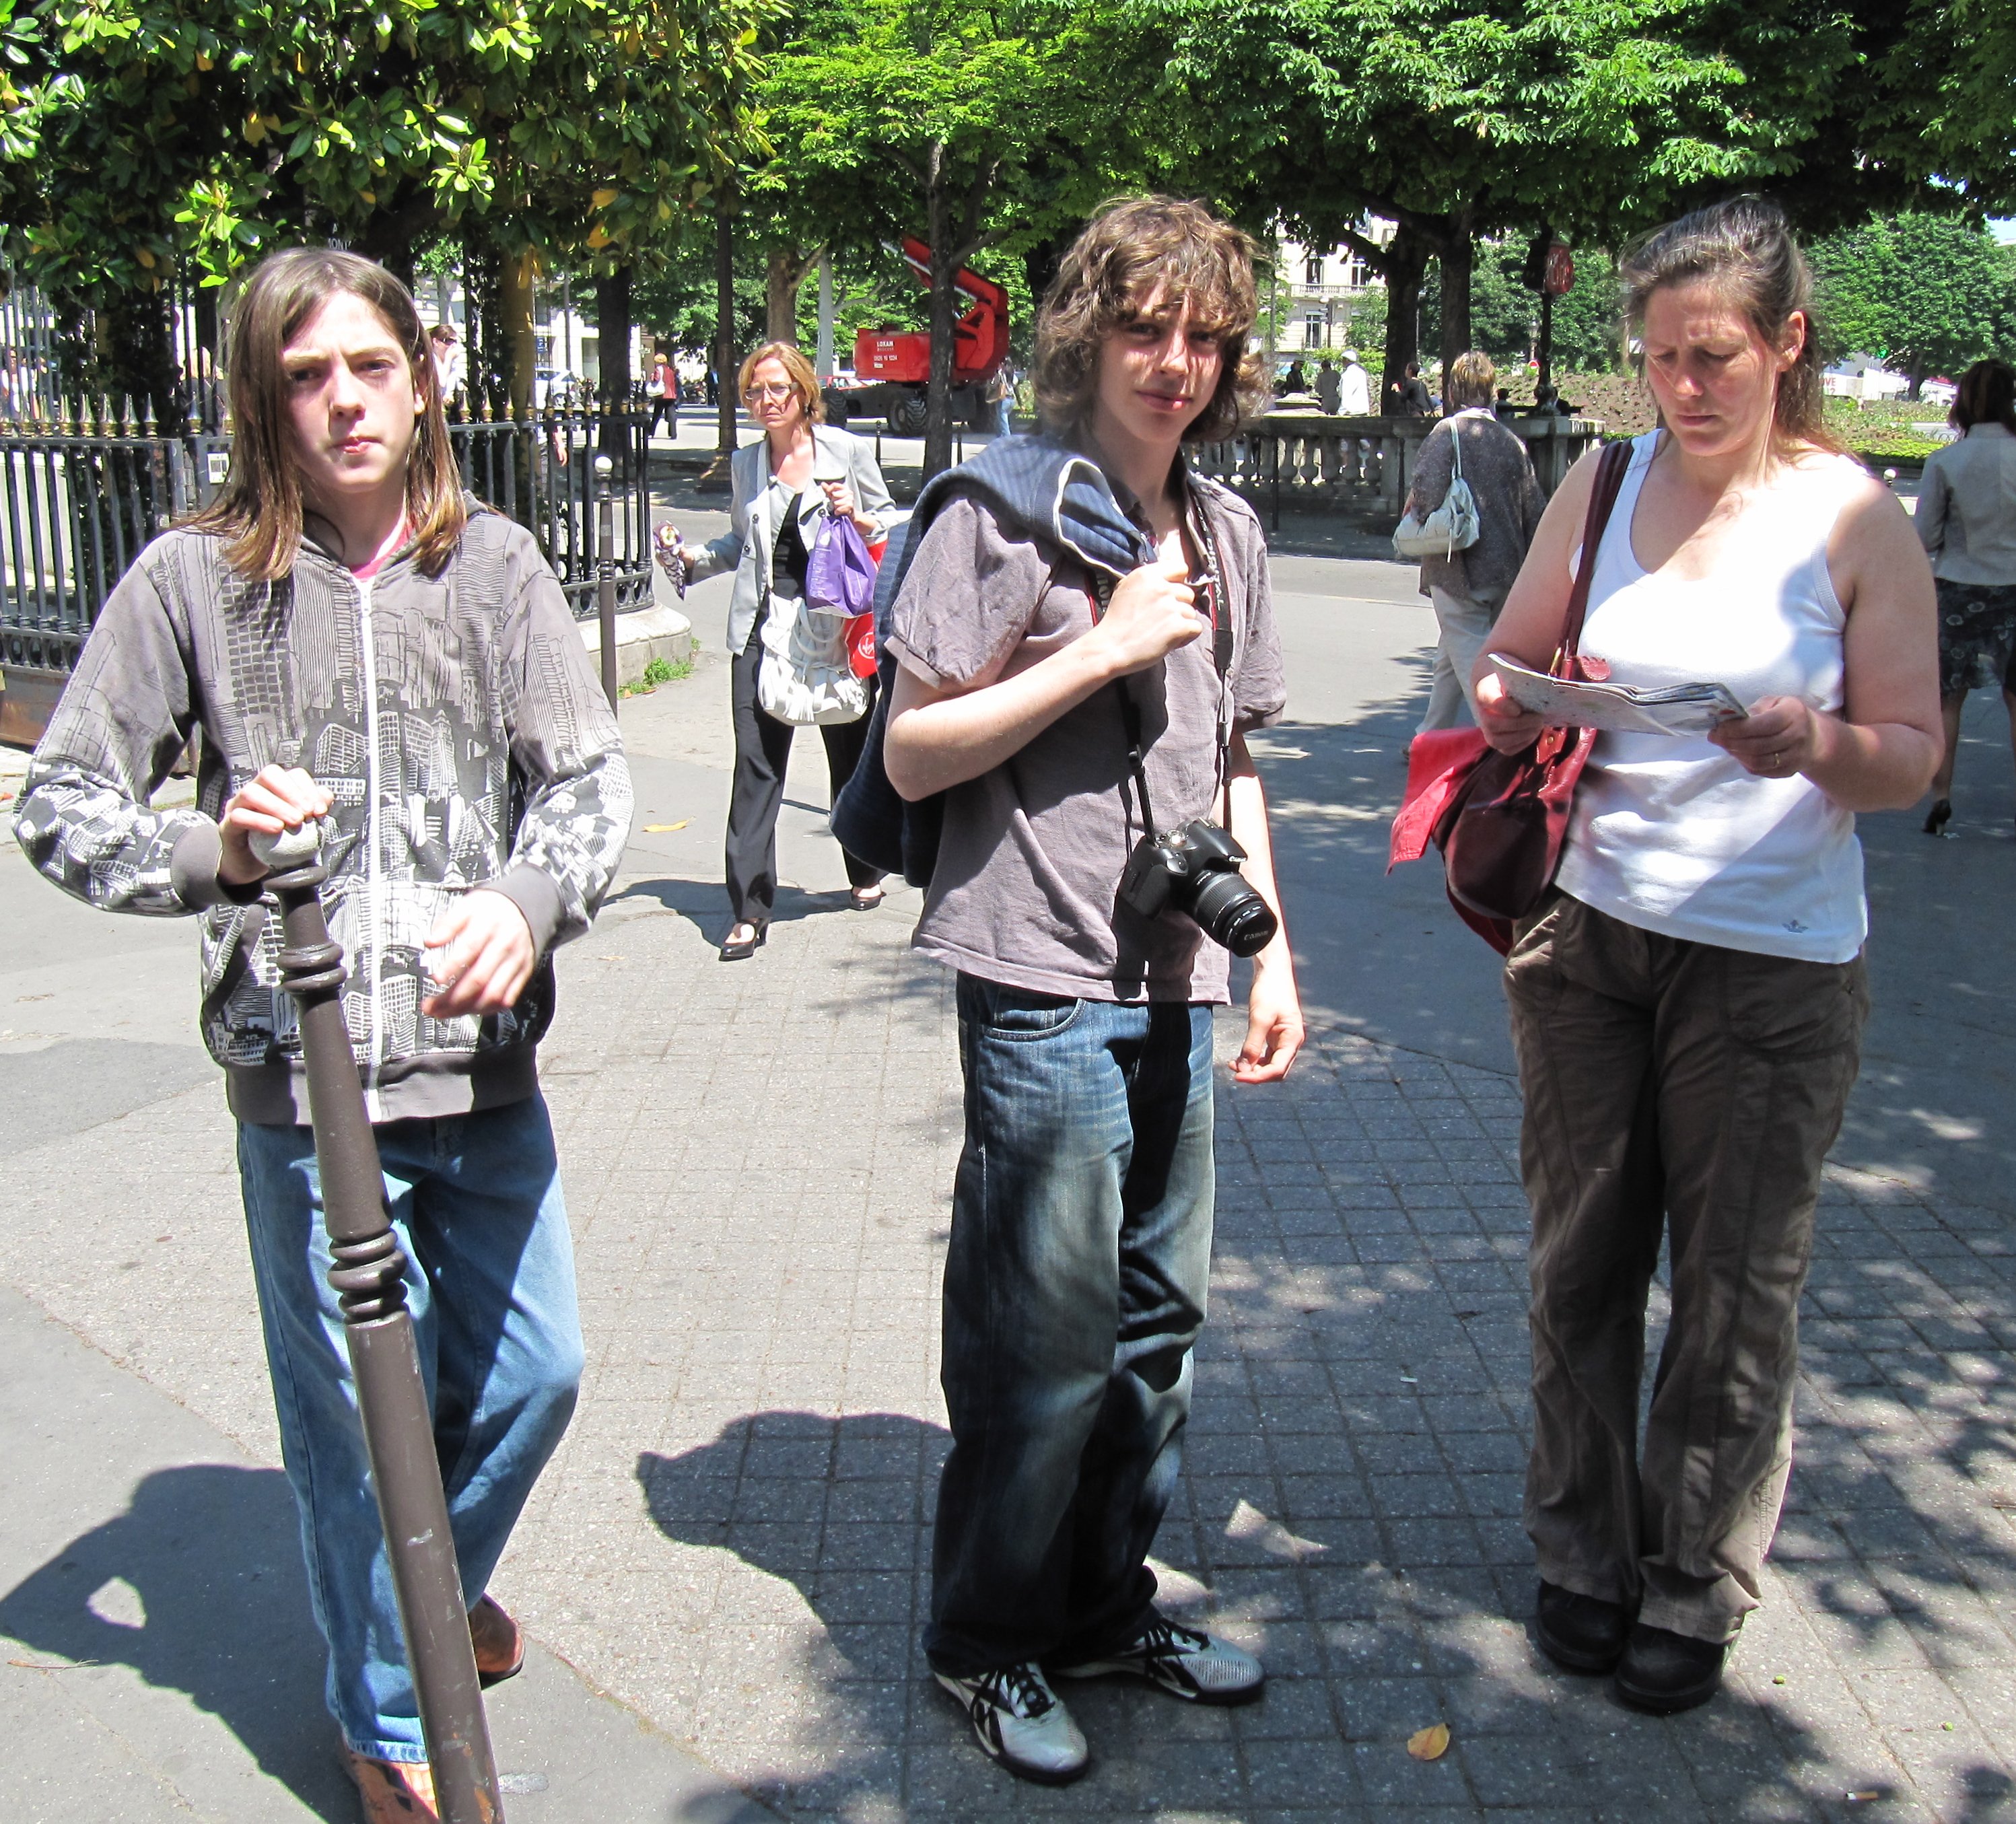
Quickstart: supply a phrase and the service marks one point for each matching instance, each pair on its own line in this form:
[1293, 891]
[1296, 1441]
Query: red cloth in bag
[1500, 820]
[860, 630]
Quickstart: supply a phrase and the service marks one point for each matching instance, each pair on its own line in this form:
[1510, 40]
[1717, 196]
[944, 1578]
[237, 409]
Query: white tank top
[1670, 834]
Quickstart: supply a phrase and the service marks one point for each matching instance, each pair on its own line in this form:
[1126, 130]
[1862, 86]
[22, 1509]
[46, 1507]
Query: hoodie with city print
[457, 723]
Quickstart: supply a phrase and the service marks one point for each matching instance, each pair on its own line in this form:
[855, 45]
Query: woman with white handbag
[791, 666]
[1470, 515]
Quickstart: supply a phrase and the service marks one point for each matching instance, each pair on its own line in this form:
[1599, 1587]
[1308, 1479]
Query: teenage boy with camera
[362, 646]
[1089, 738]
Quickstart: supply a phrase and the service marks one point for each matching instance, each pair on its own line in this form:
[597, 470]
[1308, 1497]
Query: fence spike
[147, 422]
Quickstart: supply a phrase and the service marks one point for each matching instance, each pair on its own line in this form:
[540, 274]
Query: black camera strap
[1102, 586]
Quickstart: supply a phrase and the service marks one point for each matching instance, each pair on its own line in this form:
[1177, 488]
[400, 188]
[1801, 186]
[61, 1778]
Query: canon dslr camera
[1196, 870]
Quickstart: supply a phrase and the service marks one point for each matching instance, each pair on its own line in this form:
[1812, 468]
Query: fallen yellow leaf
[604, 197]
[666, 828]
[1431, 1743]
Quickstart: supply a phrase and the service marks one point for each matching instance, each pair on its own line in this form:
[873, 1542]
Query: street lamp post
[369, 1274]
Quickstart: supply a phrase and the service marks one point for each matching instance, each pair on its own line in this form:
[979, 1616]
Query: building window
[1315, 329]
[1355, 275]
[1313, 270]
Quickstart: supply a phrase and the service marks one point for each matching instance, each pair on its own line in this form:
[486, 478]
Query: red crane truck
[892, 367]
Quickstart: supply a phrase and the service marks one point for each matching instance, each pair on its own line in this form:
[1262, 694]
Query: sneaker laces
[1017, 1690]
[1163, 1639]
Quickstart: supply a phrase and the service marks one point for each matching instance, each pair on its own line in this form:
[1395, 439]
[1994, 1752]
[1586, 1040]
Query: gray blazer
[745, 546]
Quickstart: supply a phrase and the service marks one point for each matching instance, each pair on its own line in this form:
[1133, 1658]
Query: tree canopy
[1929, 294]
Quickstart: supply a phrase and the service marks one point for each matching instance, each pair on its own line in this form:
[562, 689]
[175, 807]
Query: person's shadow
[212, 1553]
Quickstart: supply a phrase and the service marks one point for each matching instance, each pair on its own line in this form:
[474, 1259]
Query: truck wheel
[908, 416]
[836, 409]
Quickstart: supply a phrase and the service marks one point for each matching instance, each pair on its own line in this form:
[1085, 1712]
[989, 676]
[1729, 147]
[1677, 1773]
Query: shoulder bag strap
[1609, 472]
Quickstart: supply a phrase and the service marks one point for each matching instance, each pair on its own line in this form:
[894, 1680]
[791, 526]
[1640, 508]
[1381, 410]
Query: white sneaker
[1022, 1723]
[1182, 1661]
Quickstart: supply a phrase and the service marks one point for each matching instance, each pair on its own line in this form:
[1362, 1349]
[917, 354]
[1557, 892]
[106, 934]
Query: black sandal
[741, 949]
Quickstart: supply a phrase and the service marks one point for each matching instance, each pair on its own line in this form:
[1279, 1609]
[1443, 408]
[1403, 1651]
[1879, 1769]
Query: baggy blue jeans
[1075, 1288]
[476, 1204]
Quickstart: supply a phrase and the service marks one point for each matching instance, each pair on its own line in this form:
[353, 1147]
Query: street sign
[1559, 273]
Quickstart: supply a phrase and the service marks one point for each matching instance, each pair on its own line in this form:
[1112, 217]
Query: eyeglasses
[773, 392]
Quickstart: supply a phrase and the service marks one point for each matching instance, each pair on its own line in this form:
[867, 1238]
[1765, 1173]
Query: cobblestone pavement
[733, 1539]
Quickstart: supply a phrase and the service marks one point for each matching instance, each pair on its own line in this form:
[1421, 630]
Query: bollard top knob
[605, 466]
[289, 848]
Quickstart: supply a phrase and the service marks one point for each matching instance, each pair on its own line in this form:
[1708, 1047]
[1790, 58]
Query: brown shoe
[394, 1792]
[500, 1647]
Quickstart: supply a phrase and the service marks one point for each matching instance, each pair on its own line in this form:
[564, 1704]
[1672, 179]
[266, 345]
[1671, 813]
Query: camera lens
[1232, 913]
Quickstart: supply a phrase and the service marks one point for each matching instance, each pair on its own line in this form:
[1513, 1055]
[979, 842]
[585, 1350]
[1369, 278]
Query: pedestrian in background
[664, 395]
[800, 468]
[1468, 587]
[359, 647]
[1081, 1212]
[1329, 386]
[1687, 1005]
[1408, 396]
[1354, 388]
[451, 362]
[1967, 521]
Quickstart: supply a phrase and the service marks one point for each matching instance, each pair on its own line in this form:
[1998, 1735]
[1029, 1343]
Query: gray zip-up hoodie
[485, 754]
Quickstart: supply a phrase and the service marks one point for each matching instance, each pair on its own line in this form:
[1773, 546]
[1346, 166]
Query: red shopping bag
[861, 654]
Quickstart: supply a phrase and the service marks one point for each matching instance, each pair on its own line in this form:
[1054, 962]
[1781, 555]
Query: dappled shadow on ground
[212, 1552]
[1297, 1557]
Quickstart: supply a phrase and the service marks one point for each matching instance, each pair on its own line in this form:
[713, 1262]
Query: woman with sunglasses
[801, 468]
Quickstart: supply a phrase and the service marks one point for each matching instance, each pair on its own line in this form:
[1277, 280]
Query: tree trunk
[784, 271]
[1914, 373]
[520, 352]
[137, 354]
[482, 290]
[944, 316]
[612, 343]
[612, 334]
[1544, 360]
[724, 332]
[1406, 266]
[1458, 256]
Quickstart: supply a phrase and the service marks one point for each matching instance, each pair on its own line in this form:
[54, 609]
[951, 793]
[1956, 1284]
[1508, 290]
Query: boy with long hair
[1072, 709]
[360, 644]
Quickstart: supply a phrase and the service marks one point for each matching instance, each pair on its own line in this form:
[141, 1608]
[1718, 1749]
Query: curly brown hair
[1133, 251]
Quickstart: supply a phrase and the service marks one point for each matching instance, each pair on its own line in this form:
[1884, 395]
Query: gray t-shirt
[1029, 865]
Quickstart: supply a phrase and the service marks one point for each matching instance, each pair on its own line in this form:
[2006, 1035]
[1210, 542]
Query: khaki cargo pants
[1681, 1085]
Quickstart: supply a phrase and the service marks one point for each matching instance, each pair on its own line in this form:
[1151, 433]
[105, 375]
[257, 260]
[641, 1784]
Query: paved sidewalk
[732, 1543]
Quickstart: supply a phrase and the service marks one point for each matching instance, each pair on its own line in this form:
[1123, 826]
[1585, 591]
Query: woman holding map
[1687, 1005]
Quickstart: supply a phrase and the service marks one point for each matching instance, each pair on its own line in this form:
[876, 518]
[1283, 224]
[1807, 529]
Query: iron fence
[87, 486]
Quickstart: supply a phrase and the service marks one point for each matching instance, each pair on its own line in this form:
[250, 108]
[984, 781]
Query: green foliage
[147, 131]
[1505, 313]
[1927, 293]
[1949, 95]
[971, 123]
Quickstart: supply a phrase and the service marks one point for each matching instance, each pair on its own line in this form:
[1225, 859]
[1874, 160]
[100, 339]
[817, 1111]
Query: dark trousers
[762, 746]
[1695, 1089]
[1073, 1290]
[665, 412]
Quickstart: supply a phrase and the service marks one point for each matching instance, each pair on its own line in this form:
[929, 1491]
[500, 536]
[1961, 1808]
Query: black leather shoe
[1584, 1634]
[742, 948]
[1941, 815]
[1666, 1673]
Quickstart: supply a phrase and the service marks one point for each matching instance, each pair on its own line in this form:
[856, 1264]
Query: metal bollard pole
[391, 1399]
[605, 573]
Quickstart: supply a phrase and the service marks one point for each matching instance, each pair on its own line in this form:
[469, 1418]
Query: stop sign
[1559, 273]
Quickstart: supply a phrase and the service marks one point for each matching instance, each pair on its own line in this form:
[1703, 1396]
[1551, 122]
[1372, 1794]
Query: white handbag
[805, 675]
[1451, 527]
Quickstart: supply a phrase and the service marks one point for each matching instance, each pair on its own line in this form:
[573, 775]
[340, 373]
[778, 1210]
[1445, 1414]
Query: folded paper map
[1680, 709]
